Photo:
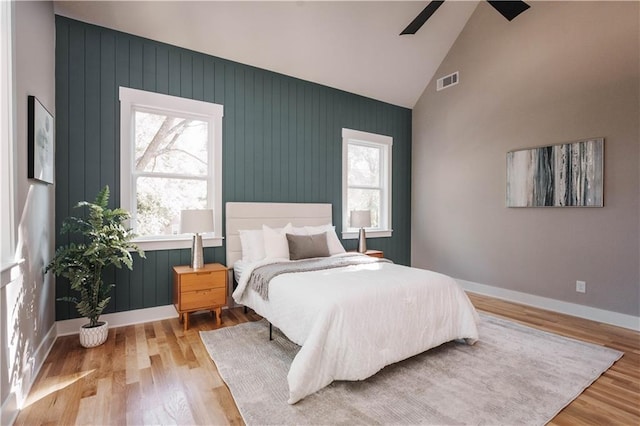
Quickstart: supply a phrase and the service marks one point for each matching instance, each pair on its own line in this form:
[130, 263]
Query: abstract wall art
[563, 175]
[41, 137]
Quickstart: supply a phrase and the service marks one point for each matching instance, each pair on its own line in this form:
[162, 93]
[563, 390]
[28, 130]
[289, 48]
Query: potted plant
[106, 241]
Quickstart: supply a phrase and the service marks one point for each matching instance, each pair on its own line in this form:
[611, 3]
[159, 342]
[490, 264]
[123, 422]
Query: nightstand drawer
[203, 280]
[202, 299]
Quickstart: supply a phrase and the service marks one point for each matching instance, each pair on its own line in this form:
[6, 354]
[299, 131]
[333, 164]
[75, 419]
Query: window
[7, 141]
[366, 180]
[171, 160]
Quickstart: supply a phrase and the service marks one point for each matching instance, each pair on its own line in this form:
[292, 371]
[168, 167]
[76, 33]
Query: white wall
[27, 297]
[560, 72]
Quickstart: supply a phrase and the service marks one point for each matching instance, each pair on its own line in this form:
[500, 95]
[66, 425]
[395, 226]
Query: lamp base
[197, 256]
[362, 241]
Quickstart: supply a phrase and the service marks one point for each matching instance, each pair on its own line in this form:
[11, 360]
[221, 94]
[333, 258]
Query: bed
[350, 321]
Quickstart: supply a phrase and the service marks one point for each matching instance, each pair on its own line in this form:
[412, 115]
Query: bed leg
[270, 331]
[245, 310]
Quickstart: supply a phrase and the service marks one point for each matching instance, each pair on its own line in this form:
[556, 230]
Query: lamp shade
[196, 221]
[360, 218]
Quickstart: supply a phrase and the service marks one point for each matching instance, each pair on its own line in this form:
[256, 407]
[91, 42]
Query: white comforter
[351, 322]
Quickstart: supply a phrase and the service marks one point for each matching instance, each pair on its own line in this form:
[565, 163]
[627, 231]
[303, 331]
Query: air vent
[448, 80]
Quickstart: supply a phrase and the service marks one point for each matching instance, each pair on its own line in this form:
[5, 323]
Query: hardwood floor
[156, 373]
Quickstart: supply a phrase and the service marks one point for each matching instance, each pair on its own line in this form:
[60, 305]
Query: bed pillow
[301, 230]
[306, 246]
[275, 242]
[335, 247]
[252, 242]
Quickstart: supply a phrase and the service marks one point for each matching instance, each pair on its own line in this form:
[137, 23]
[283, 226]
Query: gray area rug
[514, 375]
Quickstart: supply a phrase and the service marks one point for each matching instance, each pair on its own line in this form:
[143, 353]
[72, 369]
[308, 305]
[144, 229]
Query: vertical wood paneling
[185, 256]
[246, 134]
[281, 140]
[197, 71]
[135, 63]
[163, 276]
[162, 69]
[149, 67]
[332, 149]
[122, 79]
[174, 71]
[219, 70]
[186, 75]
[229, 130]
[208, 80]
[62, 151]
[257, 131]
[299, 142]
[150, 280]
[108, 110]
[316, 157]
[276, 143]
[322, 143]
[244, 169]
[305, 132]
[92, 158]
[267, 125]
[76, 111]
[136, 284]
[121, 290]
[76, 138]
[174, 259]
[284, 144]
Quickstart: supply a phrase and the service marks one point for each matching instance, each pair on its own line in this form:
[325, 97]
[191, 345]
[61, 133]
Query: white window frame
[7, 140]
[384, 143]
[132, 100]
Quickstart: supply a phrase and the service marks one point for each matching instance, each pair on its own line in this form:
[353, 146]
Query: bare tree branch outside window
[171, 162]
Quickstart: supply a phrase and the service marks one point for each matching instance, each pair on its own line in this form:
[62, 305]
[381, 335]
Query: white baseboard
[13, 403]
[119, 319]
[581, 311]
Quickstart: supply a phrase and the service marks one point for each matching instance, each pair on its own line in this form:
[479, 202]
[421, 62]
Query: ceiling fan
[508, 9]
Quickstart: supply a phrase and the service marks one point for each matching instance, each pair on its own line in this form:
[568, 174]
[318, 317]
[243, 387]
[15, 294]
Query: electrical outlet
[581, 286]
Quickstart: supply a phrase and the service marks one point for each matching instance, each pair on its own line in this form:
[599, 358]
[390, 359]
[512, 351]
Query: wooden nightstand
[374, 253]
[199, 289]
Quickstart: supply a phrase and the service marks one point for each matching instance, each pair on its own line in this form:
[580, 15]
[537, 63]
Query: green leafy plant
[106, 242]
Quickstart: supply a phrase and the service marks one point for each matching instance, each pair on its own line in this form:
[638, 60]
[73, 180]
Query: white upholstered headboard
[276, 215]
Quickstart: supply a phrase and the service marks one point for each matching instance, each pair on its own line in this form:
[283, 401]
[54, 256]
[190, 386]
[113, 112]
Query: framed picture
[41, 140]
[563, 175]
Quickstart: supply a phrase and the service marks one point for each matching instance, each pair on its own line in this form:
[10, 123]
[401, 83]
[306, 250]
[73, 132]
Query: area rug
[513, 375]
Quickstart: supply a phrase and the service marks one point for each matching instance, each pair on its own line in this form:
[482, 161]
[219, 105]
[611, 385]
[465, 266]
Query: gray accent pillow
[306, 246]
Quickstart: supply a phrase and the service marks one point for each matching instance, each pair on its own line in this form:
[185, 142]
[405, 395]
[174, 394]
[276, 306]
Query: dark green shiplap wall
[281, 140]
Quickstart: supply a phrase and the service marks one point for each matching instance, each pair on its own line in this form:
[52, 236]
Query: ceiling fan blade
[509, 9]
[422, 17]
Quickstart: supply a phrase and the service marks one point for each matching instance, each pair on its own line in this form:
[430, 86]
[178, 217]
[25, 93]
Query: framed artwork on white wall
[41, 141]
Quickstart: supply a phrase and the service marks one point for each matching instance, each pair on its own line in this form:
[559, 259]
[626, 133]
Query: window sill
[9, 271]
[175, 243]
[353, 235]
[10, 263]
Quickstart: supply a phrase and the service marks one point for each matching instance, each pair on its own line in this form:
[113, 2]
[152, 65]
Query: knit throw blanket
[262, 275]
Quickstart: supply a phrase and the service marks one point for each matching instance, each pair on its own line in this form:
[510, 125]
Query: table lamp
[361, 219]
[196, 222]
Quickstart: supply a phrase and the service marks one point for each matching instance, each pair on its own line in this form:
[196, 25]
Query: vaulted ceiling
[354, 46]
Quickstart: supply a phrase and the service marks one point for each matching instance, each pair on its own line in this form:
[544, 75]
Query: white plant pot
[94, 336]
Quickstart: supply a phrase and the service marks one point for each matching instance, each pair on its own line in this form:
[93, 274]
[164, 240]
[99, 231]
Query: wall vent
[448, 80]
